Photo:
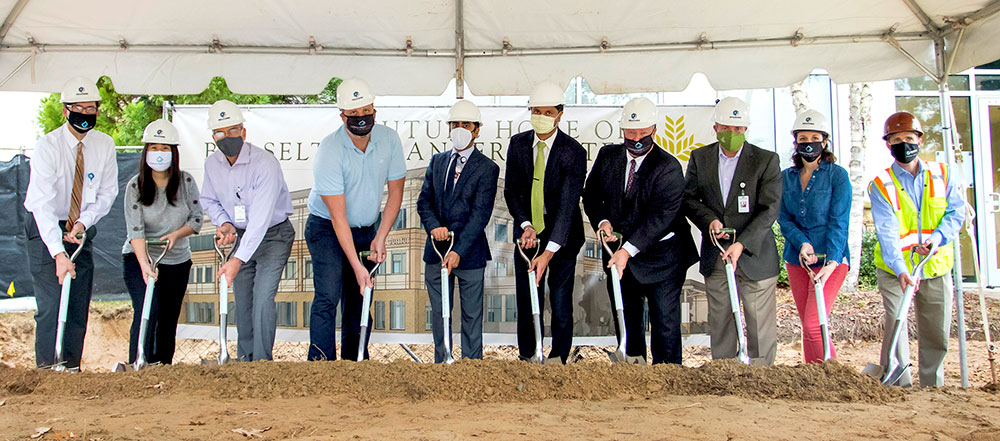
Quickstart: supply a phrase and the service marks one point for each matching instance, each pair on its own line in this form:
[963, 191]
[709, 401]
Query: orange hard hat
[902, 122]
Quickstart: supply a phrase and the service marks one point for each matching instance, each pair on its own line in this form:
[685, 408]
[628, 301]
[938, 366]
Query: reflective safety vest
[912, 221]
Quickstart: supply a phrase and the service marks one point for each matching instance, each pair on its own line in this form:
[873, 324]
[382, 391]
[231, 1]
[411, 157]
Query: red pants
[803, 291]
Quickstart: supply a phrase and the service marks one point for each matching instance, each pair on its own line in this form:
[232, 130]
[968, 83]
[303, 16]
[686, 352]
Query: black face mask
[639, 147]
[82, 122]
[809, 151]
[905, 152]
[360, 125]
[230, 146]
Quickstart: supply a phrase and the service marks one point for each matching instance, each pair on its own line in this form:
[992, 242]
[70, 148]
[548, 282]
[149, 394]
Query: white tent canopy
[415, 47]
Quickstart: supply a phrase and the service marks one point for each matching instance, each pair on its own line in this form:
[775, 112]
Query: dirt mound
[466, 380]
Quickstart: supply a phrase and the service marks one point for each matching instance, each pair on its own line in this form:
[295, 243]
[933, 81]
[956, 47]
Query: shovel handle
[602, 236]
[451, 243]
[712, 234]
[520, 248]
[364, 256]
[83, 239]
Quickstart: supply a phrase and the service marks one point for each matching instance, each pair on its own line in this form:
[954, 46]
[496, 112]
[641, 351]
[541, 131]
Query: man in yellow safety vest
[915, 205]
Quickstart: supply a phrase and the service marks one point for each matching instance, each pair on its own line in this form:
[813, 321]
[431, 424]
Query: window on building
[500, 230]
[200, 312]
[306, 312]
[398, 263]
[202, 242]
[290, 271]
[510, 311]
[494, 307]
[397, 315]
[308, 269]
[287, 313]
[428, 317]
[231, 315]
[379, 314]
[590, 250]
[400, 220]
[500, 267]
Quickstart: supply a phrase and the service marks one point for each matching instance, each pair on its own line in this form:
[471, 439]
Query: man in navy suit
[636, 189]
[543, 183]
[457, 197]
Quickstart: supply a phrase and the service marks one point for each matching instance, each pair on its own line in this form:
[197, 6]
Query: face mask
[809, 151]
[731, 141]
[639, 147]
[159, 161]
[360, 125]
[460, 138]
[905, 152]
[542, 124]
[82, 122]
[230, 146]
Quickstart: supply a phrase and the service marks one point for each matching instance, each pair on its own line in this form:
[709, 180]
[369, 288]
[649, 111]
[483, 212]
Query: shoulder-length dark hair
[147, 187]
[827, 155]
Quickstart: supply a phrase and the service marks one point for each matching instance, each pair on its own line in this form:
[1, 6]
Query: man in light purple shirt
[245, 193]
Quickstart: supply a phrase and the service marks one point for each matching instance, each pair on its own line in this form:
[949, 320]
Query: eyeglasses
[89, 110]
[231, 133]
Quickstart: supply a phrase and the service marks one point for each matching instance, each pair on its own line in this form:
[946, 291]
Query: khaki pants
[933, 304]
[759, 309]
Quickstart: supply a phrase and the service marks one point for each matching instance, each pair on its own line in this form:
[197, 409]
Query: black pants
[561, 273]
[168, 295]
[664, 300]
[47, 293]
[335, 284]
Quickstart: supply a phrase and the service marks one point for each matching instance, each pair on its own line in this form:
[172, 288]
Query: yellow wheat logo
[675, 141]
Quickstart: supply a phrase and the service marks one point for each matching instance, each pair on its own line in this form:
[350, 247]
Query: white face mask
[542, 124]
[460, 138]
[159, 161]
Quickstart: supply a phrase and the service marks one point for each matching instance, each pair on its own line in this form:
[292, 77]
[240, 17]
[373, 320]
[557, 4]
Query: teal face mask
[731, 141]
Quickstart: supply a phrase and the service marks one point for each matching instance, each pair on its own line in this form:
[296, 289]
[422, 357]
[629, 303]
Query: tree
[124, 117]
[860, 99]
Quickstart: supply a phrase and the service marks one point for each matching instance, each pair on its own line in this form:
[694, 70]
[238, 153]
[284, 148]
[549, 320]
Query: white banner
[293, 133]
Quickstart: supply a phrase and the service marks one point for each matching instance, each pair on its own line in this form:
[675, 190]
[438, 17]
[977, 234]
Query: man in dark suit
[457, 197]
[735, 184]
[636, 189]
[544, 179]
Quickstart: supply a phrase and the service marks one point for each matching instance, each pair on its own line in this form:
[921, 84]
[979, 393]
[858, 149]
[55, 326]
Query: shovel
[734, 299]
[147, 304]
[223, 252]
[59, 364]
[890, 374]
[366, 309]
[618, 355]
[446, 296]
[537, 358]
[824, 328]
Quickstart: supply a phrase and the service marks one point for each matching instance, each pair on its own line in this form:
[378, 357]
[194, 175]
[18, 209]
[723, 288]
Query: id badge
[743, 203]
[90, 194]
[241, 214]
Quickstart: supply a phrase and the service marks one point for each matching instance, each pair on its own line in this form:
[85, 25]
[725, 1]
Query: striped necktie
[76, 197]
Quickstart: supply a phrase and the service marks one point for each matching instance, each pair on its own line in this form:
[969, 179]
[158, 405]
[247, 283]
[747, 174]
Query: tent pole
[459, 50]
[11, 17]
[15, 71]
[948, 137]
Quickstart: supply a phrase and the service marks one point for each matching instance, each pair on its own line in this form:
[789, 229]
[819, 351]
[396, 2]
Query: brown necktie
[75, 199]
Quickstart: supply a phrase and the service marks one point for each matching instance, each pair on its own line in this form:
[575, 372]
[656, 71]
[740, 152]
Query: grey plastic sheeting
[107, 245]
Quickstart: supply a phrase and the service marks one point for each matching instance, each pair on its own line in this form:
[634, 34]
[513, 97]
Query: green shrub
[867, 277]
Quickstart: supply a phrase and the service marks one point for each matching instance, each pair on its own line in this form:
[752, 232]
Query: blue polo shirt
[340, 168]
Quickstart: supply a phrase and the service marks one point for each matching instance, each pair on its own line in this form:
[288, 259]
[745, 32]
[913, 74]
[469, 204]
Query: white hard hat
[638, 113]
[813, 121]
[353, 93]
[79, 90]
[224, 113]
[547, 94]
[732, 111]
[464, 110]
[160, 131]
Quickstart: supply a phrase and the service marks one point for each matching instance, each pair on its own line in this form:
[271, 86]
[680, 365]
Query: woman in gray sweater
[161, 203]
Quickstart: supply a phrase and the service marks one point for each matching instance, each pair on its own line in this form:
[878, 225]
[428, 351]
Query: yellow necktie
[538, 190]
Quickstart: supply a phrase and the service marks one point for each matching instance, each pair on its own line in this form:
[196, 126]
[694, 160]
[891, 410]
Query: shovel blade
[617, 356]
[121, 366]
[893, 377]
[875, 371]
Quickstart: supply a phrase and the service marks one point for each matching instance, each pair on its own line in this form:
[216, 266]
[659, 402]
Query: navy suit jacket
[565, 172]
[466, 212]
[648, 216]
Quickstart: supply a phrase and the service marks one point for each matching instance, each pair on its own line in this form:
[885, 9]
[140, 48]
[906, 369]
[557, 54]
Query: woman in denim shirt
[815, 209]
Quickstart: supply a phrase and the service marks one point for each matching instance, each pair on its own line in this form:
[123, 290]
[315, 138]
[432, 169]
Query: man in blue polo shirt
[352, 166]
